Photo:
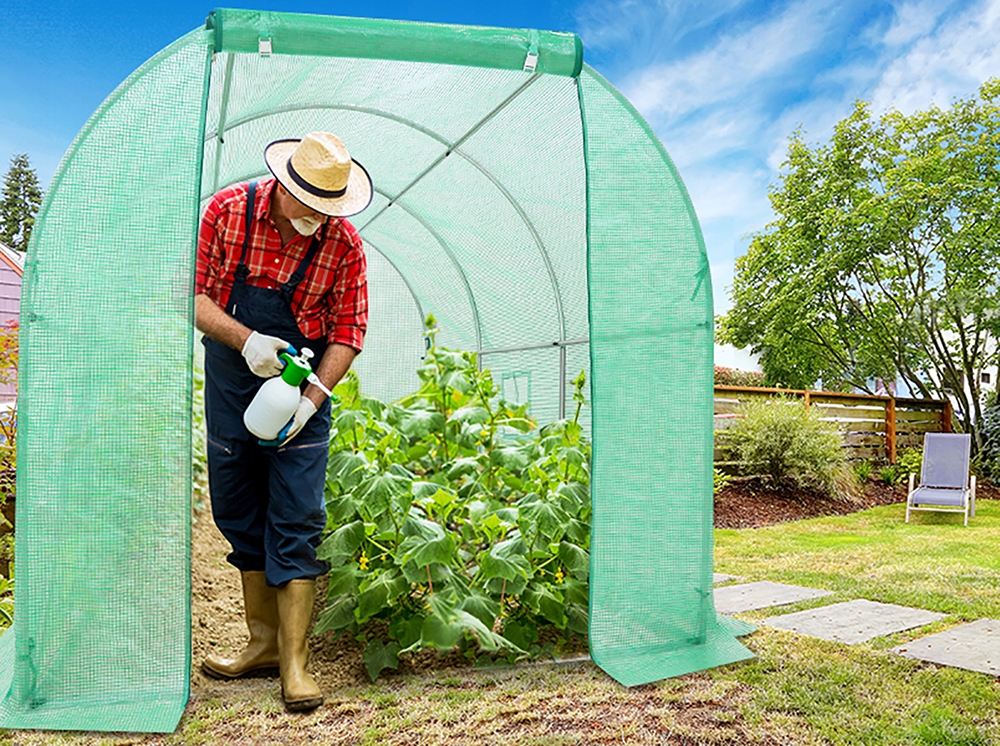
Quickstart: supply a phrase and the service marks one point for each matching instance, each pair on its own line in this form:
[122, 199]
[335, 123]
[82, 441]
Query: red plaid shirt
[331, 302]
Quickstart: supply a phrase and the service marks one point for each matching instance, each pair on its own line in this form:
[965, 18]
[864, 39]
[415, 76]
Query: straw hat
[319, 172]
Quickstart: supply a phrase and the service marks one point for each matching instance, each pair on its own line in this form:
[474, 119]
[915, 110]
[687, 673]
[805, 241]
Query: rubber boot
[260, 657]
[295, 606]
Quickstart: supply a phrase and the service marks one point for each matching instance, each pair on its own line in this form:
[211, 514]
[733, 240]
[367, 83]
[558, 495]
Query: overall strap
[241, 268]
[300, 272]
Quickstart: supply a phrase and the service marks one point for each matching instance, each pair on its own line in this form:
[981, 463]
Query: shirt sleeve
[211, 254]
[348, 309]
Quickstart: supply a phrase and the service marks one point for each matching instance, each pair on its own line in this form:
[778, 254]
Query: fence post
[807, 399]
[890, 428]
[946, 415]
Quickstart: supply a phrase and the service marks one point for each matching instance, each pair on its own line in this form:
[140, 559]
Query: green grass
[798, 691]
[933, 562]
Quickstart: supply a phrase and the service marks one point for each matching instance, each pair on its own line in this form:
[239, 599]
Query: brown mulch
[752, 503]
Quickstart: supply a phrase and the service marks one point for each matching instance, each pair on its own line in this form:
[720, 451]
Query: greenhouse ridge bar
[520, 199]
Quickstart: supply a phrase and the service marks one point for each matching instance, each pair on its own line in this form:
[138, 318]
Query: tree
[884, 258]
[21, 199]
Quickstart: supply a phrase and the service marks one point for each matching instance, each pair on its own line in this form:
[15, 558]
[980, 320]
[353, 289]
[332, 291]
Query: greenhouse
[520, 199]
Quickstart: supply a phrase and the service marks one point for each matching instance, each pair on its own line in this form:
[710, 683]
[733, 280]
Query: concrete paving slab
[761, 595]
[718, 577]
[852, 622]
[974, 647]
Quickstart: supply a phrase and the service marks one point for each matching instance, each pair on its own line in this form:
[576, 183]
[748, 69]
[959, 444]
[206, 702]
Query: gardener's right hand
[261, 353]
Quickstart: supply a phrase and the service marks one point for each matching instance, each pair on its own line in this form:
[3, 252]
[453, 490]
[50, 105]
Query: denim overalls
[268, 502]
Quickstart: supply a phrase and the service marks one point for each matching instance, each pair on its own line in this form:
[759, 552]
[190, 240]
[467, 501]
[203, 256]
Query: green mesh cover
[531, 211]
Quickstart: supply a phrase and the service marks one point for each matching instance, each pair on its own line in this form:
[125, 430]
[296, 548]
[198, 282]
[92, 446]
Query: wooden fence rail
[873, 427]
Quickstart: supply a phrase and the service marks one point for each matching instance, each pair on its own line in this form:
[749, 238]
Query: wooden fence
[873, 427]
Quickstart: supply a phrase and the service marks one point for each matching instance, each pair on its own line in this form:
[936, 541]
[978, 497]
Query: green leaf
[547, 516]
[483, 608]
[576, 560]
[348, 419]
[429, 544]
[577, 495]
[379, 656]
[513, 458]
[375, 493]
[337, 616]
[342, 580]
[472, 415]
[547, 603]
[505, 560]
[575, 591]
[577, 619]
[340, 546]
[520, 633]
[462, 467]
[381, 591]
[406, 629]
[347, 467]
[440, 633]
[419, 423]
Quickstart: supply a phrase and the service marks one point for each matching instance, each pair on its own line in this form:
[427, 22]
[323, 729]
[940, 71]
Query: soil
[752, 503]
[217, 608]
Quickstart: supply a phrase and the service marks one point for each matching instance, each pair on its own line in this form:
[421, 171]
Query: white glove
[261, 353]
[306, 410]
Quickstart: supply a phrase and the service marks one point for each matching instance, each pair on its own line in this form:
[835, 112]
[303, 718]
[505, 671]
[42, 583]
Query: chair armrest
[912, 475]
[972, 496]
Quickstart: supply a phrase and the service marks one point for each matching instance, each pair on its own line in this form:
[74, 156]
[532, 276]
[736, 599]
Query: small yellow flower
[384, 555]
[559, 575]
[363, 562]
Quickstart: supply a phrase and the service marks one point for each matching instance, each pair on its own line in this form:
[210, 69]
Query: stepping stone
[974, 647]
[761, 595]
[852, 622]
[718, 577]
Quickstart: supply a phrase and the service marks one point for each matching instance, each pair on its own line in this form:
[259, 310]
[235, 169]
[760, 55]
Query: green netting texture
[102, 635]
[531, 212]
[368, 38]
[652, 612]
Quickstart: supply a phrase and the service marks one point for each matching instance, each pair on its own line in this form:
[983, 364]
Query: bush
[782, 440]
[987, 459]
[910, 460]
[863, 469]
[452, 521]
[891, 474]
[719, 481]
[735, 377]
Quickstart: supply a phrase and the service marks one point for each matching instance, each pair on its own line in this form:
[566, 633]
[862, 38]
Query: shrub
[719, 481]
[910, 460]
[8, 470]
[782, 440]
[987, 458]
[863, 469]
[891, 474]
[453, 521]
[735, 377]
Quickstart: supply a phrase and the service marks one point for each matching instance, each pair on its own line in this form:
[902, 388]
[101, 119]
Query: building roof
[13, 259]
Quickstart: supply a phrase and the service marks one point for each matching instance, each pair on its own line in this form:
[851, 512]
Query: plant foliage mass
[453, 522]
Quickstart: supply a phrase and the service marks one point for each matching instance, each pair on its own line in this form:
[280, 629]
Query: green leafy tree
[21, 199]
[884, 258]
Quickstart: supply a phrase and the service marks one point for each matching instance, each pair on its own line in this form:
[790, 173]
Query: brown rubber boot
[260, 658]
[295, 605]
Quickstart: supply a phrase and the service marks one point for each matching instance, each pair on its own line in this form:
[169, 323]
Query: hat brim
[359, 184]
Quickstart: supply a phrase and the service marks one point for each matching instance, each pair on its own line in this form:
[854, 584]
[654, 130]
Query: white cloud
[913, 21]
[952, 61]
[731, 68]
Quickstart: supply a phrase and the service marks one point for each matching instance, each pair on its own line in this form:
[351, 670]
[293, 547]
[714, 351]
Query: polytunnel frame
[451, 147]
[712, 641]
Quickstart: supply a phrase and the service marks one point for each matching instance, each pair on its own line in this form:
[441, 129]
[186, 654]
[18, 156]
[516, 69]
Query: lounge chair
[945, 482]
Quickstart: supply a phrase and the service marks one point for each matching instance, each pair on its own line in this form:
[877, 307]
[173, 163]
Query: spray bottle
[276, 401]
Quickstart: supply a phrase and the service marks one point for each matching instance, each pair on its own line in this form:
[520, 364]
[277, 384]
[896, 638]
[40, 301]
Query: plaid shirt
[331, 302]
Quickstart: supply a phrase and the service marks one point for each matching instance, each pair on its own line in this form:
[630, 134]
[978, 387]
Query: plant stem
[429, 583]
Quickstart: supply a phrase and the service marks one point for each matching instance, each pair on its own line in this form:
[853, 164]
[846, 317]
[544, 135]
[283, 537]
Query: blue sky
[722, 82]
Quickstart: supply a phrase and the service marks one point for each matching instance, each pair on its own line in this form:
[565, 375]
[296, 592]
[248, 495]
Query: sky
[723, 83]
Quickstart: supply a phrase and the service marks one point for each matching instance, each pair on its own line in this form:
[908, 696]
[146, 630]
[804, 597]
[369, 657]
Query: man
[278, 267]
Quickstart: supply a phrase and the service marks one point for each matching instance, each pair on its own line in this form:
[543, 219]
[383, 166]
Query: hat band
[314, 190]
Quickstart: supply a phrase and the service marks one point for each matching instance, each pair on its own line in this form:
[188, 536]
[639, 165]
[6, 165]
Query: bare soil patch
[753, 503]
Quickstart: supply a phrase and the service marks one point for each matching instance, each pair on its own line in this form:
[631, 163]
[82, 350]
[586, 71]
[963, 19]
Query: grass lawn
[797, 691]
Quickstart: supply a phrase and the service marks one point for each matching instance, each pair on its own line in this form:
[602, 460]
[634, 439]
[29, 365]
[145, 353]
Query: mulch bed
[752, 503]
